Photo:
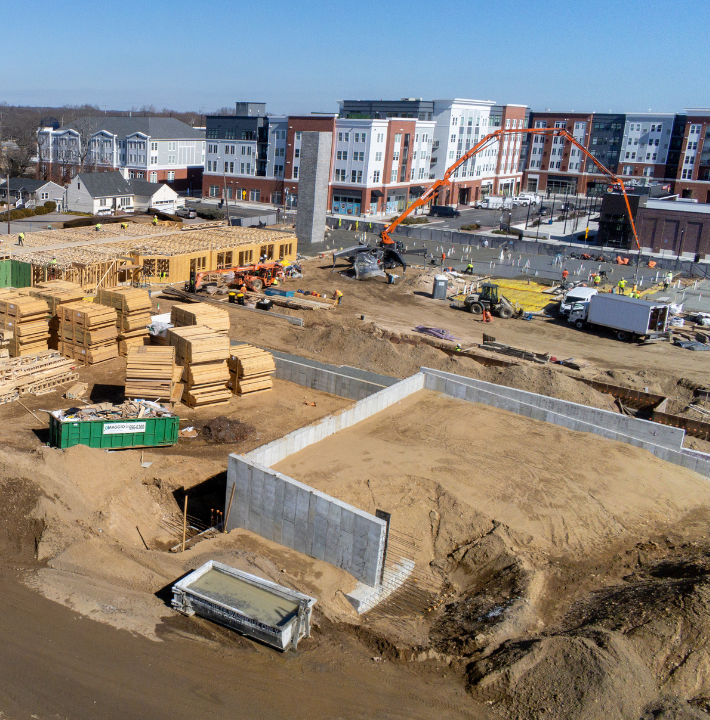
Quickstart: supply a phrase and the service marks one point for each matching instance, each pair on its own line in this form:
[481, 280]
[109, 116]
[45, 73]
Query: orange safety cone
[487, 316]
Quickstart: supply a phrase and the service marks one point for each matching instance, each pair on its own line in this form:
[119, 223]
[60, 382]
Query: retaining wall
[277, 450]
[335, 381]
[656, 439]
[288, 512]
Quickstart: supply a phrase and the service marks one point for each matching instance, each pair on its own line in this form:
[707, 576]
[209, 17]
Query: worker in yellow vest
[597, 280]
[622, 286]
[337, 295]
[155, 220]
[98, 227]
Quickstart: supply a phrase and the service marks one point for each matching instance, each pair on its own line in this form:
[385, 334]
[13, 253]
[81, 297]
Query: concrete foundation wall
[328, 381]
[663, 435]
[277, 450]
[498, 396]
[288, 512]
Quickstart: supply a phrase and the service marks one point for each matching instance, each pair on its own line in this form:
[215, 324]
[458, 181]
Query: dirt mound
[551, 382]
[225, 430]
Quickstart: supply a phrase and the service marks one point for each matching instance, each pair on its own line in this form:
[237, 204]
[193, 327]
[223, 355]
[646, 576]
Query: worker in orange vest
[565, 275]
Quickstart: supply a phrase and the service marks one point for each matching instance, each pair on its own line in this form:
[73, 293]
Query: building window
[171, 175]
[380, 137]
[398, 139]
[357, 137]
[154, 177]
[340, 137]
[295, 172]
[378, 157]
[393, 176]
[297, 153]
[226, 167]
[376, 176]
[255, 195]
[356, 176]
[363, 137]
[171, 159]
[102, 202]
[241, 168]
[298, 134]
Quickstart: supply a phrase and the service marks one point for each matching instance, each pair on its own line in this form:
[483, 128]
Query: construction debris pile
[203, 354]
[88, 332]
[133, 315]
[24, 322]
[185, 314]
[151, 373]
[250, 369]
[129, 410]
[34, 374]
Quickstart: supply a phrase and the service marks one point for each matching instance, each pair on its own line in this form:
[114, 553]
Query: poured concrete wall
[277, 450]
[314, 175]
[330, 381]
[288, 512]
[657, 439]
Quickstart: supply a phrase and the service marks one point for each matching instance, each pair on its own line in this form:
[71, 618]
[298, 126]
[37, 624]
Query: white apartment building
[645, 144]
[155, 149]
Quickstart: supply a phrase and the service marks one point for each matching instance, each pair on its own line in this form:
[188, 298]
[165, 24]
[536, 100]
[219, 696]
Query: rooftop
[158, 128]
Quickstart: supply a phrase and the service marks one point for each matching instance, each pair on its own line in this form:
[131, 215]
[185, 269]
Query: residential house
[157, 196]
[28, 192]
[100, 193]
[156, 149]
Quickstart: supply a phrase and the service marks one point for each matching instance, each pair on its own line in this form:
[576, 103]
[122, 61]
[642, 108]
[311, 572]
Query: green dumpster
[107, 434]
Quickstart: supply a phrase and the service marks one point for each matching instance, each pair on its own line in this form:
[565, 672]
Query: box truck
[629, 318]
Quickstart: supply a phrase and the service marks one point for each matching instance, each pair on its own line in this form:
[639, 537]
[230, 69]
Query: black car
[544, 210]
[443, 211]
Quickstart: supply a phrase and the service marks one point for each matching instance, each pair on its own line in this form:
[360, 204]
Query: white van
[494, 202]
[526, 199]
[576, 295]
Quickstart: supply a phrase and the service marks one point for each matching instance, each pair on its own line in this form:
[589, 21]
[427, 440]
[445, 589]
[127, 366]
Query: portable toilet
[441, 286]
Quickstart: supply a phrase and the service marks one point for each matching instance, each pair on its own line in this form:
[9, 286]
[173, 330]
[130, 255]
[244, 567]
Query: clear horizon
[587, 56]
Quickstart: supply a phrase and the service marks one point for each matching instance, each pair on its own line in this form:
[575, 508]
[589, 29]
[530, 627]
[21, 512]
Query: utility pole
[8, 207]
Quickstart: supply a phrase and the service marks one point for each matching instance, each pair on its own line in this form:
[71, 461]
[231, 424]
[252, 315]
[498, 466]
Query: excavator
[616, 183]
[256, 277]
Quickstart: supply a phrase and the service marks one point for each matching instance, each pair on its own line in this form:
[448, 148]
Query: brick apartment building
[155, 149]
[692, 179]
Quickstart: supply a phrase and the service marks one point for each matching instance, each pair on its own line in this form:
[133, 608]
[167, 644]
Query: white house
[27, 192]
[158, 196]
[100, 193]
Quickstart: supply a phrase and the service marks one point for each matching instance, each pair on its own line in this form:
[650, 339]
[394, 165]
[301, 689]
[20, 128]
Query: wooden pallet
[251, 369]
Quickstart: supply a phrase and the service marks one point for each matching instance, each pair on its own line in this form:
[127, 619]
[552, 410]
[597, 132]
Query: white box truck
[629, 318]
[495, 202]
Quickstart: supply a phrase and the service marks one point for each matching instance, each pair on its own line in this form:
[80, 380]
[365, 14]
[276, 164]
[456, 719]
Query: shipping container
[114, 434]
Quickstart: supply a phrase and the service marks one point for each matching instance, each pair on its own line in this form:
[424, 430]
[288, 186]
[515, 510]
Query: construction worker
[458, 347]
[155, 220]
[275, 281]
[635, 294]
[597, 279]
[621, 286]
[338, 296]
[21, 239]
[443, 257]
[124, 226]
[98, 227]
[565, 275]
[469, 269]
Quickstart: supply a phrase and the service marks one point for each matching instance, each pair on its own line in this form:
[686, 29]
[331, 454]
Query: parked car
[443, 211]
[544, 210]
[186, 212]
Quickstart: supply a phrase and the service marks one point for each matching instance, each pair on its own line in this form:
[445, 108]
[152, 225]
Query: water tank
[441, 285]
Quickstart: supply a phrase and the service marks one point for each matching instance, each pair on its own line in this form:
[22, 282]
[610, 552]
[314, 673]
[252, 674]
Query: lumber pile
[24, 322]
[34, 374]
[56, 293]
[151, 374]
[185, 314]
[133, 308]
[203, 354]
[250, 369]
[87, 332]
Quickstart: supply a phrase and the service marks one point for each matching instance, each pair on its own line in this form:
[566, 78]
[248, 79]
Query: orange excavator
[616, 182]
[256, 277]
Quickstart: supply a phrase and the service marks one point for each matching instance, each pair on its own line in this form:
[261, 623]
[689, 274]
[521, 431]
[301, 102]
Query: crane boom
[433, 191]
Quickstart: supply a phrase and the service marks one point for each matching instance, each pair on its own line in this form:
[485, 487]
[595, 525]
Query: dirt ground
[562, 552]
[563, 556]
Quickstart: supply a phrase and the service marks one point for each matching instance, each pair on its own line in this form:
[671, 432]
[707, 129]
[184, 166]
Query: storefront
[397, 200]
[375, 199]
[347, 202]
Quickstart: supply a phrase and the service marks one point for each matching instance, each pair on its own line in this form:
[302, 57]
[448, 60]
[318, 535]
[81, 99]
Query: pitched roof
[158, 128]
[145, 188]
[105, 184]
[19, 183]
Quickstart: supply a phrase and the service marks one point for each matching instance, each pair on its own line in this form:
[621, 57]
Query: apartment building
[692, 163]
[645, 145]
[414, 108]
[156, 149]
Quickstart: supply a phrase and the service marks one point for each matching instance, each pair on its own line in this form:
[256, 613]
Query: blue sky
[304, 55]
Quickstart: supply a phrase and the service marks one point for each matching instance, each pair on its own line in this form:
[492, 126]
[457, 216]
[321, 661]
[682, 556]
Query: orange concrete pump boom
[433, 191]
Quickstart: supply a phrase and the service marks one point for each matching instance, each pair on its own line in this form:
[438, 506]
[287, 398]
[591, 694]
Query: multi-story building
[692, 166]
[645, 145]
[156, 149]
[414, 108]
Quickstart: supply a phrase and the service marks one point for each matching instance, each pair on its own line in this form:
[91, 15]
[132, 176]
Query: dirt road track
[56, 664]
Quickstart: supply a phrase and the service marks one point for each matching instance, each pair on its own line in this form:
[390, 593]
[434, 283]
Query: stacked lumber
[56, 293]
[151, 374]
[133, 307]
[203, 354]
[24, 322]
[184, 314]
[250, 369]
[34, 374]
[87, 332]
